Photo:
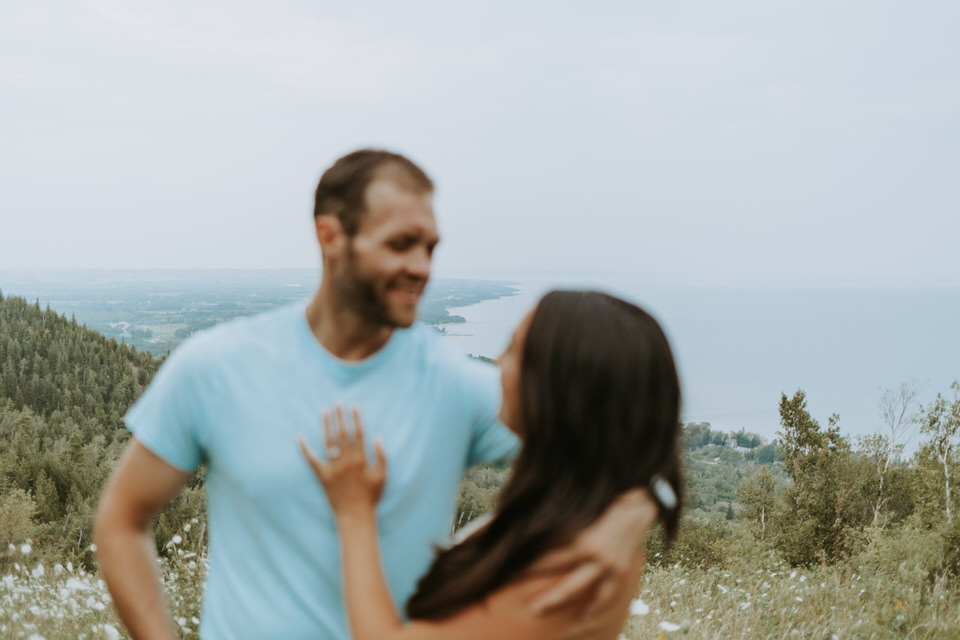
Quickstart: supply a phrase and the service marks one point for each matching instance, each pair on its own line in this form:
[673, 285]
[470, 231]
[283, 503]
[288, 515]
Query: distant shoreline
[156, 309]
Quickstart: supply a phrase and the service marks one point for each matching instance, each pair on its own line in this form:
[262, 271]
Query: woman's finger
[609, 587]
[342, 429]
[381, 457]
[570, 589]
[319, 466]
[328, 431]
[358, 430]
[557, 559]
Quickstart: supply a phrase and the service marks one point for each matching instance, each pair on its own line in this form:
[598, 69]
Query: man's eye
[401, 244]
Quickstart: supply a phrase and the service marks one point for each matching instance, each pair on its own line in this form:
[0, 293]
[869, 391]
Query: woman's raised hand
[353, 485]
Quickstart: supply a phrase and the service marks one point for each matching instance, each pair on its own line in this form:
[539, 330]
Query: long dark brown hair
[600, 403]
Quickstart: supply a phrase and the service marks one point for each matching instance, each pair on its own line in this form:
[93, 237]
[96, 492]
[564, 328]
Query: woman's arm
[353, 487]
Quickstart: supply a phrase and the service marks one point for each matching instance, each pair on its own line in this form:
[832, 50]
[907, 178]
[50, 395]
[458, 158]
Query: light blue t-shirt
[237, 397]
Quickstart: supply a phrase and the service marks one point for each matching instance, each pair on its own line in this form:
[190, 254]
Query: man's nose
[419, 264]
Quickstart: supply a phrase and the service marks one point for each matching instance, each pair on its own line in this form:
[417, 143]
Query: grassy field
[40, 602]
[774, 601]
[822, 603]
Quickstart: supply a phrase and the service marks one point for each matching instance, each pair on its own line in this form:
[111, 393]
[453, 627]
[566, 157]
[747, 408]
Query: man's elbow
[104, 524]
[115, 520]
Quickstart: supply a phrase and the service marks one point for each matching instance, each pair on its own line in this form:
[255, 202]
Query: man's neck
[343, 332]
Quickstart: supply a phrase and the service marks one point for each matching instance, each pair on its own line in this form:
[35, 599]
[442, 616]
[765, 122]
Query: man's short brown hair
[342, 187]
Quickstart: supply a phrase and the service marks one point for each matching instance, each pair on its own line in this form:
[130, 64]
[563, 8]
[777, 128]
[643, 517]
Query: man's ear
[330, 235]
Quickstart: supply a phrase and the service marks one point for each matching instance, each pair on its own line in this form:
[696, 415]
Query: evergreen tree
[48, 499]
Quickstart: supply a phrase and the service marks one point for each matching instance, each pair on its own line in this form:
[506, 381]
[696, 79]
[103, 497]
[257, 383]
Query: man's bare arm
[140, 486]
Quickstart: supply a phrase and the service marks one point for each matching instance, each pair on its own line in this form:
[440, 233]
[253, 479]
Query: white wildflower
[110, 632]
[177, 539]
[186, 527]
[669, 627]
[75, 584]
[93, 547]
[26, 549]
[639, 608]
[38, 572]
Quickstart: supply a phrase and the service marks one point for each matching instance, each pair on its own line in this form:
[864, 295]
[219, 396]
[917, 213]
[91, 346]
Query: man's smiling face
[386, 265]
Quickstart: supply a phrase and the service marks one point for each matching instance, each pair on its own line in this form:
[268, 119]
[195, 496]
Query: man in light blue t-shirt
[236, 398]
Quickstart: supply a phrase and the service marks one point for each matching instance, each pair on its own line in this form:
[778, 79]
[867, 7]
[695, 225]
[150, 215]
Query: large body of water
[738, 349]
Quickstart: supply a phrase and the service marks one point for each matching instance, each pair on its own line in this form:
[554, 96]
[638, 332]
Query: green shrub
[907, 555]
[699, 544]
[951, 549]
[478, 493]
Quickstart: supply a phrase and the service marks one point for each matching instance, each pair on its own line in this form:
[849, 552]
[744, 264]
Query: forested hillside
[63, 392]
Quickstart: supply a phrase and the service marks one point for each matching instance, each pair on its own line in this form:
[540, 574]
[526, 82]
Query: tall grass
[892, 589]
[44, 601]
[819, 603]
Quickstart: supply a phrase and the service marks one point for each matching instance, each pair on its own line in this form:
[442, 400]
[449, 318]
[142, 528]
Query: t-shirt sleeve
[491, 442]
[168, 416]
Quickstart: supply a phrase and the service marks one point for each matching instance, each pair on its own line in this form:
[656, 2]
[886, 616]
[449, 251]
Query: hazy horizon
[598, 276]
[796, 143]
[737, 348]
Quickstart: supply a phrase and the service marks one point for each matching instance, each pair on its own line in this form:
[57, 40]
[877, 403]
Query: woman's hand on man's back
[600, 557]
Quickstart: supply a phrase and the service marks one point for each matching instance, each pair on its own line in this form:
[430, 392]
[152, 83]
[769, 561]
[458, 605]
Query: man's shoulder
[448, 361]
[435, 349]
[237, 336]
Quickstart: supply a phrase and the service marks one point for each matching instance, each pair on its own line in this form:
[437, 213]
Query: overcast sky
[735, 142]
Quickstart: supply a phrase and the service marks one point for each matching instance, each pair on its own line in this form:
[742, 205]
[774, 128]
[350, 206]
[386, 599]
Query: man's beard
[360, 295]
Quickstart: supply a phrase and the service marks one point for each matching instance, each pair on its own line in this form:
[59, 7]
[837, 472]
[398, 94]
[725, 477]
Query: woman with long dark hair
[590, 386]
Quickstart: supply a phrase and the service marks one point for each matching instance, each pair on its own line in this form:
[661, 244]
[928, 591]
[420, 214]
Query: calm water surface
[738, 349]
